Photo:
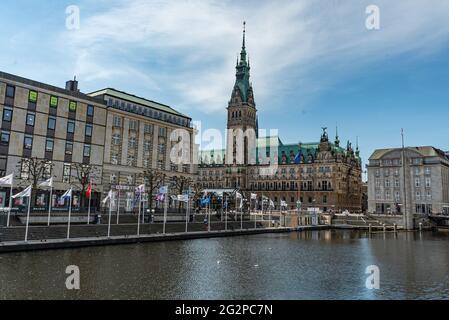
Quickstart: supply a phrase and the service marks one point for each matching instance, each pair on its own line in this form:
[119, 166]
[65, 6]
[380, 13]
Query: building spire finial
[244, 35]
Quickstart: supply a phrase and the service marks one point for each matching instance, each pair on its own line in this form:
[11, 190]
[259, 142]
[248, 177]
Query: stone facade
[426, 181]
[320, 175]
[140, 135]
[37, 122]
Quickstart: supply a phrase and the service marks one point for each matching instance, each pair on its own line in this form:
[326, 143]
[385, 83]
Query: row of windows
[54, 101]
[134, 125]
[51, 125]
[417, 171]
[397, 195]
[148, 112]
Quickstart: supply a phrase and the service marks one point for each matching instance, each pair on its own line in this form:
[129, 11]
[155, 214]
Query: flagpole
[28, 216]
[70, 214]
[241, 213]
[165, 211]
[110, 216]
[208, 210]
[187, 212]
[226, 216]
[118, 205]
[50, 203]
[90, 199]
[138, 216]
[10, 201]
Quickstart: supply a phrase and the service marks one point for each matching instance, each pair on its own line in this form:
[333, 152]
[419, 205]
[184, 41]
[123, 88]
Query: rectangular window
[7, 115]
[114, 159]
[72, 106]
[32, 96]
[417, 171]
[51, 123]
[117, 122]
[49, 145]
[54, 102]
[89, 130]
[70, 127]
[10, 91]
[428, 171]
[69, 148]
[28, 142]
[116, 139]
[67, 172]
[162, 132]
[148, 128]
[429, 196]
[30, 119]
[417, 182]
[133, 125]
[418, 196]
[5, 137]
[86, 152]
[90, 110]
[428, 183]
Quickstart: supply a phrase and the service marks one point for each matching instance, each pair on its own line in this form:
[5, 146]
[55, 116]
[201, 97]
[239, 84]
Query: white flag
[24, 193]
[7, 180]
[140, 189]
[47, 184]
[238, 195]
[183, 198]
[284, 204]
[253, 196]
[272, 204]
[67, 194]
[109, 196]
[241, 203]
[163, 190]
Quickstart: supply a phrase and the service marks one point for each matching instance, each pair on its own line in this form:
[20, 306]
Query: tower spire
[243, 53]
[337, 139]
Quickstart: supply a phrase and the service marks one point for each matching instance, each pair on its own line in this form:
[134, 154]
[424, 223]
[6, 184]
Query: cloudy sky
[314, 63]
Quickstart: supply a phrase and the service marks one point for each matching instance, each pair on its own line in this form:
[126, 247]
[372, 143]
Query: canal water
[307, 265]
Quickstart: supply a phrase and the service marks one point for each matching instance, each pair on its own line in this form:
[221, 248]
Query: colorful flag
[46, 184]
[163, 190]
[7, 180]
[140, 189]
[205, 201]
[183, 198]
[89, 190]
[298, 157]
[23, 194]
[160, 197]
[67, 194]
[108, 197]
[265, 199]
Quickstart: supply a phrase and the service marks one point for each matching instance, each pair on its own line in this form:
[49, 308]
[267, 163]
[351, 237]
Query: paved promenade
[119, 236]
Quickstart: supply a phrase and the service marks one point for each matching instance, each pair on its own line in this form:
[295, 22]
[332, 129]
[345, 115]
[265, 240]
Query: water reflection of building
[321, 174]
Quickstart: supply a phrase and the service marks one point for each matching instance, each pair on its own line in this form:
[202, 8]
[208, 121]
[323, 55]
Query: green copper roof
[137, 100]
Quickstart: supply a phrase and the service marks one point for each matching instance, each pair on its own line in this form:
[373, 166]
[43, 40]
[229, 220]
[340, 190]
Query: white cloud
[189, 47]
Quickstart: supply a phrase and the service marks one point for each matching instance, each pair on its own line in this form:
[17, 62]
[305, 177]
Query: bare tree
[32, 171]
[153, 180]
[84, 174]
[180, 184]
[197, 190]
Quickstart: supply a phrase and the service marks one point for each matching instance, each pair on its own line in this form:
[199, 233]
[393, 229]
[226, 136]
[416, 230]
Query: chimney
[72, 85]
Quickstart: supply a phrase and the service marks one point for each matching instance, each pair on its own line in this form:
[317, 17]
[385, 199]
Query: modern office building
[63, 126]
[420, 186]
